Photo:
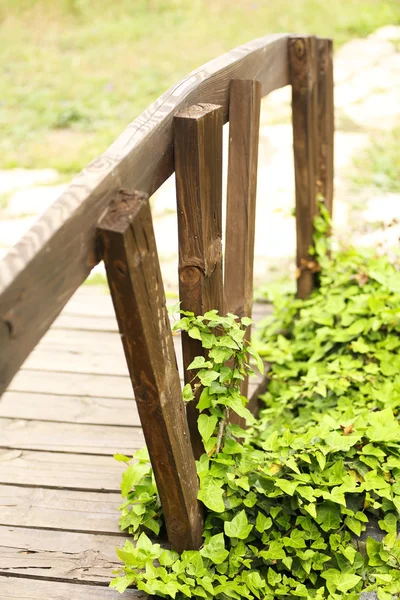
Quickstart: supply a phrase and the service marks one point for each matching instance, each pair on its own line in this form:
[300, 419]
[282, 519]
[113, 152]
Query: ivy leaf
[328, 516]
[296, 539]
[200, 363]
[194, 332]
[373, 550]
[311, 509]
[187, 393]
[211, 495]
[122, 458]
[239, 527]
[122, 583]
[384, 427]
[335, 580]
[168, 558]
[262, 522]
[360, 346]
[341, 443]
[236, 404]
[142, 455]
[354, 525]
[207, 376]
[132, 476]
[389, 523]
[273, 577]
[257, 358]
[350, 552]
[287, 486]
[214, 549]
[275, 551]
[206, 426]
[220, 355]
[232, 447]
[204, 400]
[208, 340]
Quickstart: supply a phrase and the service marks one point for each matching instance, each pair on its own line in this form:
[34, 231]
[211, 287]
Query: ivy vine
[290, 501]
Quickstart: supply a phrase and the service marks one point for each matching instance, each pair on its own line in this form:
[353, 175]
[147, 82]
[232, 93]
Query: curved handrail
[40, 274]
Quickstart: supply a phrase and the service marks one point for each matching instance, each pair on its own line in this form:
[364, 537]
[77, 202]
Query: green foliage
[218, 378]
[92, 66]
[141, 509]
[290, 500]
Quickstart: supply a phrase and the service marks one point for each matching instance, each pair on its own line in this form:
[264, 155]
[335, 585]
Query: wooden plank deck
[65, 414]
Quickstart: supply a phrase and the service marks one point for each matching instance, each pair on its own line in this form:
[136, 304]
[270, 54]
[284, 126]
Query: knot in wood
[190, 275]
[120, 268]
[9, 323]
[213, 256]
[299, 48]
[177, 526]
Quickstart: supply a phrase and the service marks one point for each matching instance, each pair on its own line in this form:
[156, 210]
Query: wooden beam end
[122, 210]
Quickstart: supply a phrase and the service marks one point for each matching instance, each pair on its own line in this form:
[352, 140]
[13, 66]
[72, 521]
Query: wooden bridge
[66, 378]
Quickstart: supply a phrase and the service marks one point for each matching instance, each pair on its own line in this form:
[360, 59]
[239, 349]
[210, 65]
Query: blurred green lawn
[74, 73]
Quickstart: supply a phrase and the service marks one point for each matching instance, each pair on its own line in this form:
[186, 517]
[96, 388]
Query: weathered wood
[79, 384]
[60, 470]
[303, 78]
[244, 123]
[64, 437]
[91, 300]
[96, 342]
[41, 273]
[24, 588]
[65, 380]
[79, 361]
[85, 323]
[326, 124]
[133, 272]
[69, 409]
[92, 352]
[58, 555]
[59, 509]
[198, 171]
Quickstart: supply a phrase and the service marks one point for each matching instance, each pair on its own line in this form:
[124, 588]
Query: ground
[367, 167]
[73, 73]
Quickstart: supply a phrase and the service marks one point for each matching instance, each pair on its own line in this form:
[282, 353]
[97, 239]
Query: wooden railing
[105, 214]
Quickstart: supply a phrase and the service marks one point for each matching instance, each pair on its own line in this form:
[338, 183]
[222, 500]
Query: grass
[74, 73]
[379, 165]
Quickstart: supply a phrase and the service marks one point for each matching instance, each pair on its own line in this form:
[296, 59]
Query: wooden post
[325, 121]
[244, 123]
[133, 272]
[198, 167]
[303, 78]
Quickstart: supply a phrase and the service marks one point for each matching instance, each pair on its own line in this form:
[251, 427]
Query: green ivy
[290, 501]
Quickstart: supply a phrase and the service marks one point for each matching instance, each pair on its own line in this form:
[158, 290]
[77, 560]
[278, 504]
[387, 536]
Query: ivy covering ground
[289, 503]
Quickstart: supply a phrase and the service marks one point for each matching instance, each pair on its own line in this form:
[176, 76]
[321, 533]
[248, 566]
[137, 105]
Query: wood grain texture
[91, 301]
[80, 360]
[58, 555]
[57, 470]
[69, 409]
[134, 276]
[198, 170]
[25, 588]
[41, 273]
[244, 124]
[85, 323]
[72, 383]
[326, 126]
[64, 437]
[63, 510]
[303, 78]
